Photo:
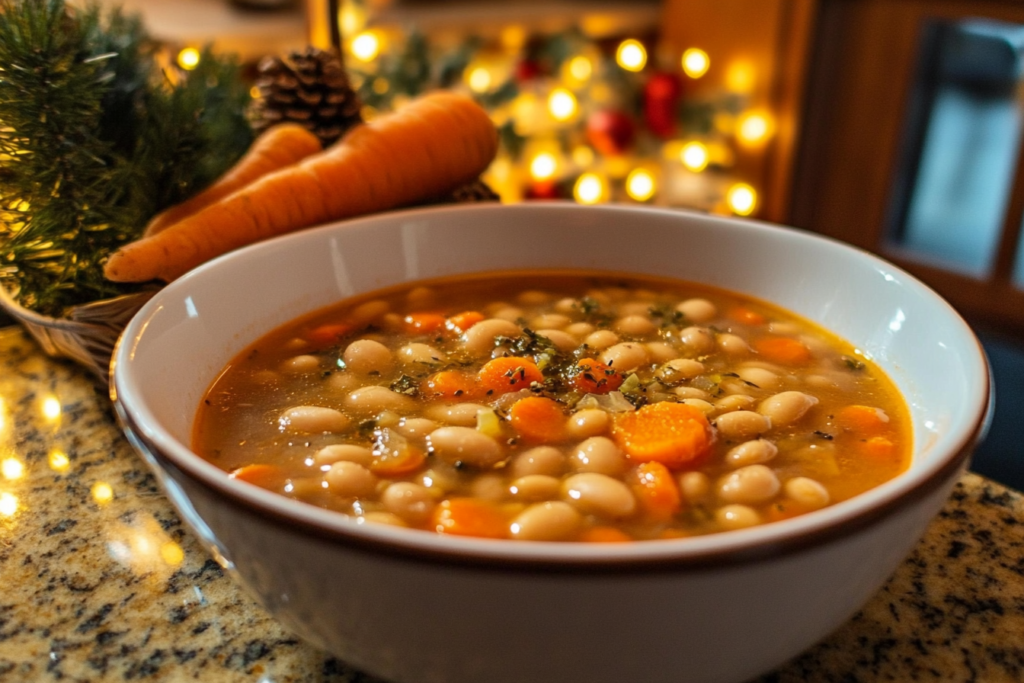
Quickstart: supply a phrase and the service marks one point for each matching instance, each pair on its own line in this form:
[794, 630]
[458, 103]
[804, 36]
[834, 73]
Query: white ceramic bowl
[412, 606]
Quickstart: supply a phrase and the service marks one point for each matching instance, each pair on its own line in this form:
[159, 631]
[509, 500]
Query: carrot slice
[451, 385]
[674, 434]
[656, 490]
[509, 373]
[538, 419]
[398, 462]
[469, 517]
[328, 333]
[605, 534]
[877, 448]
[861, 419]
[594, 377]
[742, 314]
[423, 323]
[783, 350]
[460, 322]
[260, 474]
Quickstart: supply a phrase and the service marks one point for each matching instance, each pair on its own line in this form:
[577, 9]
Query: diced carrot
[470, 517]
[398, 462]
[877, 448]
[675, 434]
[538, 419]
[451, 384]
[656, 490]
[260, 474]
[509, 373]
[423, 323]
[594, 377]
[329, 333]
[605, 534]
[862, 420]
[742, 314]
[460, 322]
[783, 350]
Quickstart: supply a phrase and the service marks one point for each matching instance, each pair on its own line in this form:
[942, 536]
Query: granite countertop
[102, 581]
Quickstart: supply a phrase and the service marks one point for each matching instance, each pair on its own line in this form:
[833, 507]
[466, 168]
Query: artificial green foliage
[96, 137]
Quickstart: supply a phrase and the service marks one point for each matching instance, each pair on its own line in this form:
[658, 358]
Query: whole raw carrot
[277, 147]
[433, 144]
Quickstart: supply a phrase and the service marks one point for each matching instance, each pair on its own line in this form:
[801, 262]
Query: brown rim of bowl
[611, 564]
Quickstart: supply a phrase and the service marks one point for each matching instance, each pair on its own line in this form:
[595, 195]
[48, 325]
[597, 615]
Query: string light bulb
[543, 166]
[742, 199]
[12, 468]
[581, 68]
[754, 127]
[102, 492]
[8, 504]
[562, 104]
[631, 55]
[695, 62]
[640, 185]
[479, 79]
[188, 58]
[694, 156]
[589, 189]
[58, 460]
[366, 46]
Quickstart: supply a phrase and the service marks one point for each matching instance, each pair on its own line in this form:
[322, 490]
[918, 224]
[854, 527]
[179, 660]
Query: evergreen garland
[95, 138]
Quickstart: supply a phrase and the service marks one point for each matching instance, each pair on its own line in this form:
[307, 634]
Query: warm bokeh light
[58, 460]
[580, 68]
[694, 156]
[582, 156]
[351, 18]
[742, 199]
[562, 104]
[12, 468]
[188, 58]
[589, 189]
[631, 55]
[172, 554]
[640, 185]
[543, 166]
[365, 46]
[102, 492]
[8, 504]
[695, 62]
[51, 408]
[754, 127]
[380, 85]
[479, 79]
[739, 77]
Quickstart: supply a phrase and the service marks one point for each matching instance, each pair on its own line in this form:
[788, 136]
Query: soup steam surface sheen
[557, 407]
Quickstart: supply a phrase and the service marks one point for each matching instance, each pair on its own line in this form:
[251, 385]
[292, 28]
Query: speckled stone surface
[100, 581]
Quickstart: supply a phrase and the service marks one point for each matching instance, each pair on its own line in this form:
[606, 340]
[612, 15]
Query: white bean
[466, 445]
[680, 369]
[313, 419]
[563, 340]
[635, 325]
[662, 352]
[786, 408]
[580, 330]
[479, 339]
[751, 453]
[510, 313]
[808, 492]
[699, 404]
[533, 297]
[421, 354]
[764, 379]
[373, 399]
[697, 310]
[415, 427]
[625, 356]
[549, 521]
[599, 454]
[365, 356]
[350, 479]
[567, 305]
[599, 494]
[369, 311]
[488, 487]
[695, 486]
[750, 485]
[328, 455]
[692, 392]
[420, 298]
[540, 460]
[588, 422]
[634, 308]
[734, 402]
[462, 414]
[412, 502]
[697, 340]
[742, 425]
[601, 340]
[733, 344]
[731, 517]
[382, 517]
[550, 321]
[297, 365]
[535, 487]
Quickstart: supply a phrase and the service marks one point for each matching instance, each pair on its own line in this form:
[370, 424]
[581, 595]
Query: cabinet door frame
[848, 177]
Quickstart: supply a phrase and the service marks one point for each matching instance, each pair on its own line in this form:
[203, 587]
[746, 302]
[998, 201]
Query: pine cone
[471, 193]
[310, 88]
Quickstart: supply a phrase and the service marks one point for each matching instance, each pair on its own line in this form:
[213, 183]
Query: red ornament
[661, 96]
[611, 132]
[527, 70]
[542, 189]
